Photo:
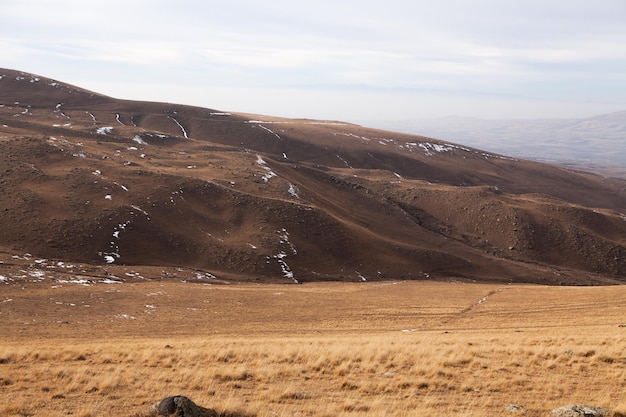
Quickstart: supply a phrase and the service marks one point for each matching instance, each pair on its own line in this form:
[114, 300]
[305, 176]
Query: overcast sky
[352, 60]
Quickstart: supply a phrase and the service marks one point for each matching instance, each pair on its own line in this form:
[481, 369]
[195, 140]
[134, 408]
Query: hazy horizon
[349, 61]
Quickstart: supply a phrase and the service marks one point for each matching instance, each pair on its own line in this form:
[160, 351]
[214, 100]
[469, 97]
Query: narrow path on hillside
[467, 310]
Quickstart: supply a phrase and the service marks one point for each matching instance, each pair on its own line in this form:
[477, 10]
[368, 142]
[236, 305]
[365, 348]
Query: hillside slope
[90, 179]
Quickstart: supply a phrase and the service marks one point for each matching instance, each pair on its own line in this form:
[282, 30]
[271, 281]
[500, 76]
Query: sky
[349, 60]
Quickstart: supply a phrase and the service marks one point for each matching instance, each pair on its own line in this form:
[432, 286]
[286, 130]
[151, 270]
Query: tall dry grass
[464, 373]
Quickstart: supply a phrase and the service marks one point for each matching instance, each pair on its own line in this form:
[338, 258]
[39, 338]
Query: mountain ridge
[593, 144]
[114, 183]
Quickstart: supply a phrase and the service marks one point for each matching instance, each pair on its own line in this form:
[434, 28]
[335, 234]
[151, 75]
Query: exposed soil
[156, 190]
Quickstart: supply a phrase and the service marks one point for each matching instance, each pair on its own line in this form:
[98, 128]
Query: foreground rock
[580, 411]
[180, 406]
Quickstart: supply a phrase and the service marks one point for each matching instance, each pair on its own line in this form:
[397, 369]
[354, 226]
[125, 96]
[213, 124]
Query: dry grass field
[335, 349]
[152, 249]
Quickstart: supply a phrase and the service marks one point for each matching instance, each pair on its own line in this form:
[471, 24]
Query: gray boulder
[580, 411]
[181, 406]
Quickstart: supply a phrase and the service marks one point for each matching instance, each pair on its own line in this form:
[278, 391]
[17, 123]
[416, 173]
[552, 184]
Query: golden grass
[473, 365]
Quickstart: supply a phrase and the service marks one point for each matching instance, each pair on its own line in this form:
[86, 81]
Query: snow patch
[79, 281]
[124, 316]
[137, 139]
[204, 275]
[352, 135]
[105, 130]
[287, 272]
[37, 273]
[270, 174]
[293, 190]
[280, 257]
[114, 254]
[284, 240]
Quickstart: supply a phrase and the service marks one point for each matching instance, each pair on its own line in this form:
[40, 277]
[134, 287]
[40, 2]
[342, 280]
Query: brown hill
[106, 182]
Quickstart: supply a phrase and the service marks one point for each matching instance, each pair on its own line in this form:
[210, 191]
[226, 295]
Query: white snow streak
[287, 272]
[145, 213]
[111, 257]
[280, 257]
[137, 139]
[270, 174]
[58, 110]
[344, 161]
[270, 131]
[181, 127]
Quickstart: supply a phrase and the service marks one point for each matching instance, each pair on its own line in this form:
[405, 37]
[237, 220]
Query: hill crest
[113, 184]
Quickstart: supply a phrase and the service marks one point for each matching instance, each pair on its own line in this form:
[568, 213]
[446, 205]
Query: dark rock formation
[180, 406]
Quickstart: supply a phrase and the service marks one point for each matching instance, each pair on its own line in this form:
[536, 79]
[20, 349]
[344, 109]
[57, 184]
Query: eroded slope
[107, 182]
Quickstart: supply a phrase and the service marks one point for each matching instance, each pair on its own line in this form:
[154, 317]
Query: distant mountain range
[594, 143]
[99, 189]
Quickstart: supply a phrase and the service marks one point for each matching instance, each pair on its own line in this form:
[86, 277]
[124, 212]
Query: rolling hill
[100, 188]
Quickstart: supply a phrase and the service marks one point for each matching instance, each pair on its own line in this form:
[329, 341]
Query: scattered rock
[180, 406]
[515, 408]
[579, 411]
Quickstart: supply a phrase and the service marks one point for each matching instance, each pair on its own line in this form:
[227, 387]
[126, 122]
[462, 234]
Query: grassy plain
[334, 349]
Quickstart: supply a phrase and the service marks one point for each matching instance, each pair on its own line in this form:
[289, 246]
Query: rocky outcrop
[580, 411]
[180, 406]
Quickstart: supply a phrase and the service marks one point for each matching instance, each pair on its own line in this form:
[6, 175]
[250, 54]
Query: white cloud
[388, 51]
